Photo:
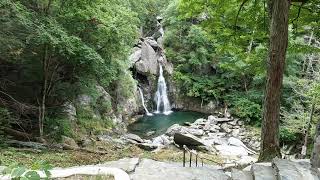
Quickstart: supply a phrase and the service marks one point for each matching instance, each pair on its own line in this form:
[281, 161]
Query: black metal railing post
[184, 157]
[190, 159]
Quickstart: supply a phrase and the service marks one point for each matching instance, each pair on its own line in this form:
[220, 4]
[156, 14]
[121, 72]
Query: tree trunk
[305, 143]
[42, 106]
[279, 12]
[315, 156]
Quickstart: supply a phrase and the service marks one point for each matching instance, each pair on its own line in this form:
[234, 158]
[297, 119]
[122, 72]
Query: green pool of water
[160, 122]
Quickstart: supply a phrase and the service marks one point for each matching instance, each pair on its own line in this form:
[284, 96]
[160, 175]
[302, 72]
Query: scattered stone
[233, 123]
[226, 128]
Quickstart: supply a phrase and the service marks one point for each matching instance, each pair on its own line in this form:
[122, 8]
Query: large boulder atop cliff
[148, 62]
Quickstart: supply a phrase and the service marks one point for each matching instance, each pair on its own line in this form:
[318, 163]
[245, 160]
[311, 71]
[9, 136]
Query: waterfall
[143, 104]
[161, 97]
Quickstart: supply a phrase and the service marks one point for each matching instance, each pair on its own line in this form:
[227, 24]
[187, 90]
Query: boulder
[289, 170]
[261, 172]
[161, 140]
[187, 139]
[147, 146]
[176, 128]
[69, 141]
[227, 150]
[148, 62]
[133, 137]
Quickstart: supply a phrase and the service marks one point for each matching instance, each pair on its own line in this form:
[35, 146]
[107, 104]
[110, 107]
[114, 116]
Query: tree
[279, 15]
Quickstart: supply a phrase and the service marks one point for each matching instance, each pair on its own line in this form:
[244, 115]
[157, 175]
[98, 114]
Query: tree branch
[237, 17]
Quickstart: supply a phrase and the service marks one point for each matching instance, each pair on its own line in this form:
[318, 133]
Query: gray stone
[220, 120]
[289, 170]
[84, 100]
[135, 56]
[151, 42]
[200, 121]
[69, 141]
[126, 164]
[147, 146]
[261, 172]
[187, 139]
[227, 150]
[176, 128]
[155, 170]
[235, 132]
[245, 160]
[211, 118]
[161, 140]
[226, 128]
[69, 110]
[241, 175]
[133, 137]
[148, 62]
[233, 123]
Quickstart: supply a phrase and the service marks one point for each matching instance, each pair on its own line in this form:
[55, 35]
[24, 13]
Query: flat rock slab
[155, 170]
[261, 172]
[126, 164]
[289, 170]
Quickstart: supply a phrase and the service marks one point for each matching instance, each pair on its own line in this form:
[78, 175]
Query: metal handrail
[186, 149]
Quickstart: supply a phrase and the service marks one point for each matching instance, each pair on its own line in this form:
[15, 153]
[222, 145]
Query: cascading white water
[161, 95]
[143, 104]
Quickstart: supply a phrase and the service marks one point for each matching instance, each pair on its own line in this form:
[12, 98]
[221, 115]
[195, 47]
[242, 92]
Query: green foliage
[89, 122]
[57, 127]
[5, 119]
[19, 172]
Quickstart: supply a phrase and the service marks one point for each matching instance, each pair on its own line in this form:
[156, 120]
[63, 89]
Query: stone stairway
[147, 169]
[279, 169]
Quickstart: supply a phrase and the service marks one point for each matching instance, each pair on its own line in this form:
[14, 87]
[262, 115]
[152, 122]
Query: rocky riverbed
[226, 137]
